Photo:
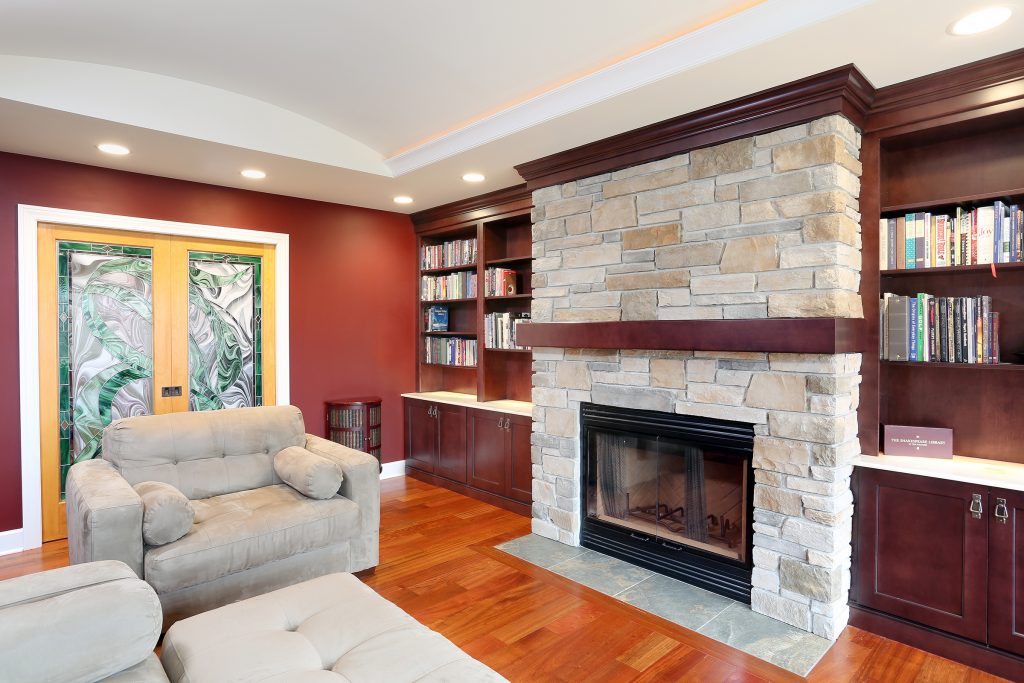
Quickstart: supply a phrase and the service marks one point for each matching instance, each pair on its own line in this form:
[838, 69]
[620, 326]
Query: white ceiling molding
[763, 22]
[173, 105]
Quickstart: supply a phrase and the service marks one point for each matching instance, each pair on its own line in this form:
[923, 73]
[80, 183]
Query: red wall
[352, 276]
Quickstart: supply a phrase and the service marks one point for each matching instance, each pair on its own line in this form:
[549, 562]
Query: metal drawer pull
[1002, 514]
[976, 508]
[639, 537]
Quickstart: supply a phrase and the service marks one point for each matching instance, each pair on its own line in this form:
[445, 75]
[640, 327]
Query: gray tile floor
[712, 615]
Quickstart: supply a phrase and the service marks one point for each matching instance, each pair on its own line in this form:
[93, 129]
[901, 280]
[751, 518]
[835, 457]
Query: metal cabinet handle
[976, 508]
[1001, 512]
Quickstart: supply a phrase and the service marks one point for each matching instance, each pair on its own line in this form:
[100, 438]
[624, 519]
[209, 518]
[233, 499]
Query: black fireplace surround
[672, 493]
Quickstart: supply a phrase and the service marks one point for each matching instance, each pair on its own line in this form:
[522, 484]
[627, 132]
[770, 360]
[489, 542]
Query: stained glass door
[137, 324]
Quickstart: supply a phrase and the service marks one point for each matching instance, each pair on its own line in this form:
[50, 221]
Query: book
[883, 244]
[921, 247]
[941, 241]
[437, 319]
[911, 245]
[891, 241]
[900, 243]
[896, 322]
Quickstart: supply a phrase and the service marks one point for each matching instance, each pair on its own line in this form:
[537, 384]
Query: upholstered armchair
[213, 507]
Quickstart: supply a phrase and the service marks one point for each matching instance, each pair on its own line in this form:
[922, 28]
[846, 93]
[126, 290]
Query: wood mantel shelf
[780, 335]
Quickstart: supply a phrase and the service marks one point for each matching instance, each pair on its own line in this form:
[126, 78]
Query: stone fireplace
[761, 227]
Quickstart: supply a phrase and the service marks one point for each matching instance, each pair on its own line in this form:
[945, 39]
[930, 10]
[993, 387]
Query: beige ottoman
[327, 630]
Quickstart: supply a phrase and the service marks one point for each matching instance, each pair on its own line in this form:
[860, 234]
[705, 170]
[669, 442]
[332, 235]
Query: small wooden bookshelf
[500, 222]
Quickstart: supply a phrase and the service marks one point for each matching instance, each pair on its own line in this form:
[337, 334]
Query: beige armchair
[252, 533]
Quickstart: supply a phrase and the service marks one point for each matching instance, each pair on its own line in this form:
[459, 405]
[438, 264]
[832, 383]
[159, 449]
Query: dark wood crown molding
[843, 90]
[475, 208]
[780, 335]
[996, 82]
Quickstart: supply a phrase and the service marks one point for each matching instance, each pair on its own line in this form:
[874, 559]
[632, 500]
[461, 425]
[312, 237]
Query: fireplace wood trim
[843, 90]
[780, 335]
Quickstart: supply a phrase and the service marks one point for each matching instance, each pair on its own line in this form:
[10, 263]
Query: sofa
[92, 622]
[248, 531]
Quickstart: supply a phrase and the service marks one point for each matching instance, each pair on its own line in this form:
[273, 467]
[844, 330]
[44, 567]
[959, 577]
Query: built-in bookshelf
[475, 261]
[959, 185]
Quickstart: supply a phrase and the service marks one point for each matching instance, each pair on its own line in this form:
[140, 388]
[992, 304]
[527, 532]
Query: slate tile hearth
[712, 615]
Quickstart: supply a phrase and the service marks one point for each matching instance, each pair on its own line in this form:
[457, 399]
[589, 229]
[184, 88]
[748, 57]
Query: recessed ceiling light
[473, 177]
[402, 199]
[981, 20]
[254, 174]
[113, 148]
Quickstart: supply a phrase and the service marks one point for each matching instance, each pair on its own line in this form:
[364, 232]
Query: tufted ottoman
[331, 629]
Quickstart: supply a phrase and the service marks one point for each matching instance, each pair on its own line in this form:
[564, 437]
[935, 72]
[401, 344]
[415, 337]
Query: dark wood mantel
[780, 335]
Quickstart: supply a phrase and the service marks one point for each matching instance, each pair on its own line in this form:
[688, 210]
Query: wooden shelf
[1005, 367]
[510, 350]
[449, 301]
[952, 270]
[979, 198]
[509, 297]
[448, 269]
[510, 259]
[443, 365]
[783, 335]
[449, 334]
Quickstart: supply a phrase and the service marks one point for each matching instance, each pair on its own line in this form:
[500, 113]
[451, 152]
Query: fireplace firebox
[672, 493]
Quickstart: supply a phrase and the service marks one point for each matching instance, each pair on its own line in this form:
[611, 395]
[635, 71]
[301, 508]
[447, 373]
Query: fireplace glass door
[669, 489]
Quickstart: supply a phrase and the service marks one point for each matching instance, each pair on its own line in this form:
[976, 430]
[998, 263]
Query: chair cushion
[312, 475]
[329, 629]
[167, 514]
[246, 529]
[204, 454]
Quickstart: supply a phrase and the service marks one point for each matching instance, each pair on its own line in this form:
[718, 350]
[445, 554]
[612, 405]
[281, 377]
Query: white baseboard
[11, 541]
[393, 469]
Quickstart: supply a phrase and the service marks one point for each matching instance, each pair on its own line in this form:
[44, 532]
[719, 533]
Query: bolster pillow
[167, 514]
[312, 475]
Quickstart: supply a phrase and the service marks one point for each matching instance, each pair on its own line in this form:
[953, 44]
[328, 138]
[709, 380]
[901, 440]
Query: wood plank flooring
[438, 563]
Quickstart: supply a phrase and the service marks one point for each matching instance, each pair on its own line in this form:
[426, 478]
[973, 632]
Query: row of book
[499, 282]
[460, 285]
[986, 234]
[448, 254]
[938, 329]
[450, 351]
[500, 330]
[435, 319]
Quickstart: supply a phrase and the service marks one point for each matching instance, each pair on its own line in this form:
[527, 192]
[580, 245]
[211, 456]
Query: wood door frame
[29, 217]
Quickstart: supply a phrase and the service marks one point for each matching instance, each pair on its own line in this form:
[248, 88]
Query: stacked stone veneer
[766, 226]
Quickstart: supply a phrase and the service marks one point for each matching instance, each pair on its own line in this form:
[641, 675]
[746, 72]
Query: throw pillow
[167, 514]
[312, 475]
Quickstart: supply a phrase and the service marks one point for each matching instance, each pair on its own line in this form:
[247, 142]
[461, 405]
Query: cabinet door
[451, 452]
[1006, 572]
[420, 435]
[921, 554]
[520, 464]
[487, 446]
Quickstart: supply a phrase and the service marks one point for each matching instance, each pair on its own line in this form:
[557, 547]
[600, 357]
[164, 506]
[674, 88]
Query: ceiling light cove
[403, 199]
[980, 21]
[254, 174]
[113, 148]
[474, 177]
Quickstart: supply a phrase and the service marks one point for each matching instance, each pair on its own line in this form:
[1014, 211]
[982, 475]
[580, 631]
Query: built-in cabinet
[472, 450]
[945, 554]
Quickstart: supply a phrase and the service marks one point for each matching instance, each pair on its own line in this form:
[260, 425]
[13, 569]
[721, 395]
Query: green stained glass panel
[224, 331]
[105, 342]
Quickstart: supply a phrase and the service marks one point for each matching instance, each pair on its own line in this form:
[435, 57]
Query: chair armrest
[362, 476]
[104, 516]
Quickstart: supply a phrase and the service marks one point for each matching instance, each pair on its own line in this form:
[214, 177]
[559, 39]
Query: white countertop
[523, 408]
[1006, 475]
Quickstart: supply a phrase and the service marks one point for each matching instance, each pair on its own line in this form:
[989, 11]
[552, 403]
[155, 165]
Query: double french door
[134, 323]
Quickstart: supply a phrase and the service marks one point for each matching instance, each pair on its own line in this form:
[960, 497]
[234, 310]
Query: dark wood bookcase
[937, 164]
[500, 222]
[950, 139]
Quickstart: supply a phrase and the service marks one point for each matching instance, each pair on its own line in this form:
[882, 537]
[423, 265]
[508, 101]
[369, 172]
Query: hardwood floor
[438, 563]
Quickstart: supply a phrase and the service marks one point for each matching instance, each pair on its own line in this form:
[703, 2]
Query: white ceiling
[354, 102]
